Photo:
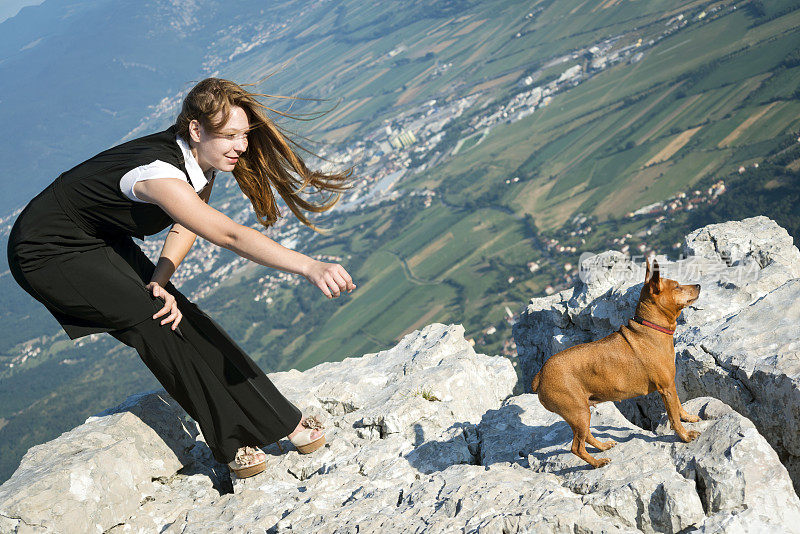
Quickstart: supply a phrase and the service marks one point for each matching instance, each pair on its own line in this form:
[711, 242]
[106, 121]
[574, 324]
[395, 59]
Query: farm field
[669, 112]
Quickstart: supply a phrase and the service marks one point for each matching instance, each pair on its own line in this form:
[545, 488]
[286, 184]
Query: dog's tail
[535, 382]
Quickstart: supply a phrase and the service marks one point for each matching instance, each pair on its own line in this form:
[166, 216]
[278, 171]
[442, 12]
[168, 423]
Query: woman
[71, 249]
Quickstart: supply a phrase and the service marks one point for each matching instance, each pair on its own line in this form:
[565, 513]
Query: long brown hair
[269, 161]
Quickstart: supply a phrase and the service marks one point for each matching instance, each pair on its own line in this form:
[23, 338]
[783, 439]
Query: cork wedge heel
[247, 463]
[302, 440]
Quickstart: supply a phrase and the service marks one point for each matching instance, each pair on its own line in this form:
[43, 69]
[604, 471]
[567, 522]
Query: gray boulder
[96, 475]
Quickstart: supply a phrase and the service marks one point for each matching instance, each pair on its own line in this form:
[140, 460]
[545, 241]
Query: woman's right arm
[179, 201]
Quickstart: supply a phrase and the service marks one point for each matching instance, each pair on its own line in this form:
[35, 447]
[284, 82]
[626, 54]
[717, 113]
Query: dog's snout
[697, 286]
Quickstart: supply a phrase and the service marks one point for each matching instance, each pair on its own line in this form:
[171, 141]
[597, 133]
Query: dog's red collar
[653, 325]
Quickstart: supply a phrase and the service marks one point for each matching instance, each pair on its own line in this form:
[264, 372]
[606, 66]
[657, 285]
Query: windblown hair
[270, 160]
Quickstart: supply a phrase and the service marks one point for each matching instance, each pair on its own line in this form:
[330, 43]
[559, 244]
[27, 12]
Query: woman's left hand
[170, 305]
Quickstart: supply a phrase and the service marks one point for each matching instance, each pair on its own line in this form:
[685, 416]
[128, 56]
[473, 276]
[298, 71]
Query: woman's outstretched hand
[331, 278]
[170, 305]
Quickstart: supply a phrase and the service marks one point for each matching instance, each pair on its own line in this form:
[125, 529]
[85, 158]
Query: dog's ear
[652, 276]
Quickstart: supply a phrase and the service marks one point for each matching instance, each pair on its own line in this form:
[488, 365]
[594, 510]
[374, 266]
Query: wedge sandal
[246, 463]
[302, 440]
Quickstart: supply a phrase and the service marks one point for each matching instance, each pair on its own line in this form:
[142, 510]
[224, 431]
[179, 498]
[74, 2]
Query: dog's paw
[602, 461]
[605, 445]
[691, 435]
[689, 418]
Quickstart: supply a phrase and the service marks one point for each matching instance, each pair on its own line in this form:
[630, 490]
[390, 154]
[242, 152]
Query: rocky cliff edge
[428, 437]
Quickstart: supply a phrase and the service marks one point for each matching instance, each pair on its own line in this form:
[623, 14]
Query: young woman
[71, 249]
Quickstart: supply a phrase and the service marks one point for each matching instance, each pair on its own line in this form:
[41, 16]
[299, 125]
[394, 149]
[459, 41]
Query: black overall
[71, 249]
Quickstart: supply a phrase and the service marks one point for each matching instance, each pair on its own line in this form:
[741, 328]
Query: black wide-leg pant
[214, 380]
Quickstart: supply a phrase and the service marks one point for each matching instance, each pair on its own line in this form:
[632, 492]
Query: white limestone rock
[393, 416]
[640, 489]
[90, 478]
[751, 361]
[736, 242]
[465, 457]
[734, 467]
[417, 400]
[654, 482]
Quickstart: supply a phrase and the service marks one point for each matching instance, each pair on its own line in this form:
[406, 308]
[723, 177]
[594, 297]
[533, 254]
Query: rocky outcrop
[422, 437]
[738, 343]
[728, 479]
[94, 476]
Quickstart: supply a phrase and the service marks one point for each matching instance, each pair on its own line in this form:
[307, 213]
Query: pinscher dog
[636, 360]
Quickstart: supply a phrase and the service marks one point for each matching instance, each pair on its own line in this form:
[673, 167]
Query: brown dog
[636, 360]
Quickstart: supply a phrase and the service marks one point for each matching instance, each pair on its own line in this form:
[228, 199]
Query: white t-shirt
[162, 169]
